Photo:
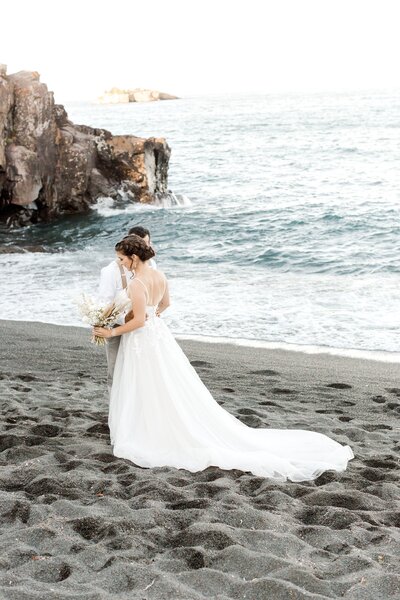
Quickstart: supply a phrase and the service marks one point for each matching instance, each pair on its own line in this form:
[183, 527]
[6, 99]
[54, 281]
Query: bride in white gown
[161, 414]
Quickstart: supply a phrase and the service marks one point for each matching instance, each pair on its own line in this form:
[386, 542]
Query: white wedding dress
[161, 414]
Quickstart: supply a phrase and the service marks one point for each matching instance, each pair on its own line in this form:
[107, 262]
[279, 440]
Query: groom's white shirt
[111, 283]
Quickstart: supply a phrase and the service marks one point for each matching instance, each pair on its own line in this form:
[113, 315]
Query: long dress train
[161, 414]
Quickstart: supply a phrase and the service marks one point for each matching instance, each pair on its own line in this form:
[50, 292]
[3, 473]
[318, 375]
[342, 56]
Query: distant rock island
[49, 166]
[118, 96]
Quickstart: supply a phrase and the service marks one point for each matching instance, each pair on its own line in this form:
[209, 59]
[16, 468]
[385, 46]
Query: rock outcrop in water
[118, 96]
[49, 166]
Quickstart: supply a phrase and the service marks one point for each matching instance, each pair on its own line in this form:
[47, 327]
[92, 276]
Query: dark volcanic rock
[49, 166]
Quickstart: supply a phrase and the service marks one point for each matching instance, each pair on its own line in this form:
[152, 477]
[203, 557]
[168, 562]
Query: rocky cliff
[49, 166]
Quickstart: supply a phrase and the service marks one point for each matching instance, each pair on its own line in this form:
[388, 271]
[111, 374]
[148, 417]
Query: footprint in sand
[107, 564]
[373, 474]
[376, 427]
[252, 421]
[104, 458]
[382, 463]
[34, 440]
[194, 558]
[26, 377]
[76, 548]
[9, 440]
[46, 429]
[90, 528]
[194, 504]
[282, 391]
[325, 478]
[71, 465]
[339, 386]
[378, 399]
[333, 517]
[337, 547]
[20, 510]
[395, 391]
[201, 363]
[49, 572]
[266, 372]
[178, 481]
[99, 428]
[211, 539]
[20, 388]
[247, 411]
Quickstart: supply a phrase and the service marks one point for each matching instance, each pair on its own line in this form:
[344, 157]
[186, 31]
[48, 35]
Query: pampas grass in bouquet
[100, 314]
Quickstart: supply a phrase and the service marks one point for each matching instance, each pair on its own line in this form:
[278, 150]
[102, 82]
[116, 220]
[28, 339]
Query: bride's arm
[164, 302]
[138, 297]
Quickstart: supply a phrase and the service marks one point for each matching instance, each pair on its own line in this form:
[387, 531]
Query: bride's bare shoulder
[160, 275]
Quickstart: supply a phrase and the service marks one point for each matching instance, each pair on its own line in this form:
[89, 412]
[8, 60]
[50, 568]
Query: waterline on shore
[377, 355]
[374, 355]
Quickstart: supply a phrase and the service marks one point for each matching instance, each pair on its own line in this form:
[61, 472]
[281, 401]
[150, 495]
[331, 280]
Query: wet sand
[77, 523]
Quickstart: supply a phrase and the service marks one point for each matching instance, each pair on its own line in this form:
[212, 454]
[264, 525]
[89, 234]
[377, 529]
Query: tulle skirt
[161, 414]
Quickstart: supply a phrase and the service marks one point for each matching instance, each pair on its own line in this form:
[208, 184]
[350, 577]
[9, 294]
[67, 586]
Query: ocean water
[290, 234]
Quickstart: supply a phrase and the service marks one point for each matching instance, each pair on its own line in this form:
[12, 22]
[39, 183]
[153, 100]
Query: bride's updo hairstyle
[134, 245]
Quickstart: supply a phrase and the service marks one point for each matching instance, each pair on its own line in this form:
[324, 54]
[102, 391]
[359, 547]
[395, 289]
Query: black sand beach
[77, 523]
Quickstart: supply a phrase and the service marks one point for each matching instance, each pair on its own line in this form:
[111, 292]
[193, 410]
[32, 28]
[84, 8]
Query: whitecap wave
[108, 207]
[172, 200]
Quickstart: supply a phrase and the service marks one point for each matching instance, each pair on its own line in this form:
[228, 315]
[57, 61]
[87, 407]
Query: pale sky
[184, 47]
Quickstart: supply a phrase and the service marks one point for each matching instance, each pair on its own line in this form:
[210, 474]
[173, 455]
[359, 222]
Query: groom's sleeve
[107, 286]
